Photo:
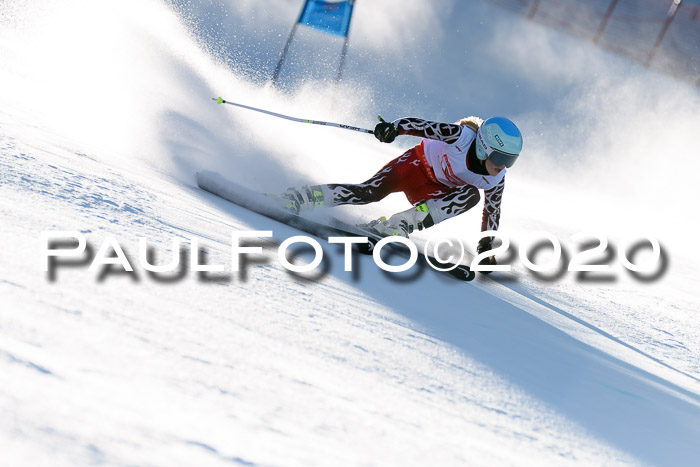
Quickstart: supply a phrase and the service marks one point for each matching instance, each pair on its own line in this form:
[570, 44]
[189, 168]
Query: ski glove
[385, 131]
[485, 245]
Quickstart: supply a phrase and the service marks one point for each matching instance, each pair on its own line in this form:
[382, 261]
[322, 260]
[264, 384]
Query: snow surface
[105, 116]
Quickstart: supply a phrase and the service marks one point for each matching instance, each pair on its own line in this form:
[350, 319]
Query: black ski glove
[485, 245]
[385, 132]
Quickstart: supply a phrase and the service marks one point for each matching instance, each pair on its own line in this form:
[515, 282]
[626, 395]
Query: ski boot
[403, 223]
[298, 200]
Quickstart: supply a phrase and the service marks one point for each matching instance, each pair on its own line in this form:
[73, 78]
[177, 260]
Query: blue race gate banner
[327, 16]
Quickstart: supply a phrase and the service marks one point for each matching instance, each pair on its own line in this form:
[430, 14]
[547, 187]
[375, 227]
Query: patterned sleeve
[492, 206]
[413, 126]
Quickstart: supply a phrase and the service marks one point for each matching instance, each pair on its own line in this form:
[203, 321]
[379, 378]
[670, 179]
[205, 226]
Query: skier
[441, 176]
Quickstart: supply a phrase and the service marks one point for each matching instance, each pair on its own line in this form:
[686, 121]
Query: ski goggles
[497, 157]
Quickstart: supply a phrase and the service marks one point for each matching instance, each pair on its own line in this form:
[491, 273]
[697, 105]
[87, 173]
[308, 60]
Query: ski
[264, 205]
[261, 204]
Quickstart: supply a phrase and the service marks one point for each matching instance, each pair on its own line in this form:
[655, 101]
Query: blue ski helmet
[499, 140]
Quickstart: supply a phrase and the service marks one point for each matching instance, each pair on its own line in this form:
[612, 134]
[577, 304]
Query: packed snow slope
[105, 117]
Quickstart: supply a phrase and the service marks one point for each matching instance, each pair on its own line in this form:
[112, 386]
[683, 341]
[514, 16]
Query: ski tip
[220, 100]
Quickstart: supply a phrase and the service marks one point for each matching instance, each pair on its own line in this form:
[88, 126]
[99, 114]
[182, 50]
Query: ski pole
[301, 120]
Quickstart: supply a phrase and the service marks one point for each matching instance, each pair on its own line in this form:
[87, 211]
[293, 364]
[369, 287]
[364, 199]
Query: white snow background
[105, 116]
